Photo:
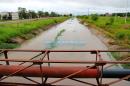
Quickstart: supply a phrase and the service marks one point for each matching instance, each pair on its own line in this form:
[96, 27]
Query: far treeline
[107, 14]
[27, 14]
[118, 14]
[23, 13]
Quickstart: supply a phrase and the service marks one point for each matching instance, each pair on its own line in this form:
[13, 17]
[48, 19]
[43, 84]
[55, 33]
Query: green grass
[116, 55]
[116, 28]
[10, 30]
[119, 57]
[8, 45]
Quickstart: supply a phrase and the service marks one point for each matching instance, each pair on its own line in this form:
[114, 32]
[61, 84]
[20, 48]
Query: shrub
[94, 17]
[120, 35]
[86, 17]
[8, 46]
[110, 22]
[128, 35]
[116, 55]
[123, 34]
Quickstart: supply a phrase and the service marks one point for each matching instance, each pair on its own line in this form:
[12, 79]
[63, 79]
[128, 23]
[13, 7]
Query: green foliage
[41, 14]
[116, 55]
[70, 14]
[27, 14]
[8, 46]
[10, 30]
[111, 21]
[53, 14]
[32, 14]
[114, 28]
[120, 35]
[22, 13]
[94, 17]
[86, 17]
[47, 14]
[121, 14]
[126, 66]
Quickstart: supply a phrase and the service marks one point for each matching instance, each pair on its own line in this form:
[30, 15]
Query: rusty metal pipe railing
[66, 61]
[14, 50]
[53, 72]
[60, 72]
[63, 72]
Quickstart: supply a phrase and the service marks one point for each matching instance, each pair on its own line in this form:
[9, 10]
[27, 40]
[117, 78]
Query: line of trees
[121, 14]
[116, 14]
[29, 14]
[106, 14]
[23, 13]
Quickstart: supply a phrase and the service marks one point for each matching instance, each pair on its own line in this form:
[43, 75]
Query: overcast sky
[67, 6]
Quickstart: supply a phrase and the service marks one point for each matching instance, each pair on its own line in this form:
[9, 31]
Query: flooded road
[69, 35]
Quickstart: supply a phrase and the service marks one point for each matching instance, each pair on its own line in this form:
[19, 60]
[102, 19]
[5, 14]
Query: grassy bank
[114, 28]
[21, 29]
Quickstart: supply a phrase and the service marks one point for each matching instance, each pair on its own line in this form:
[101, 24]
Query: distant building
[15, 15]
[9, 15]
[108, 14]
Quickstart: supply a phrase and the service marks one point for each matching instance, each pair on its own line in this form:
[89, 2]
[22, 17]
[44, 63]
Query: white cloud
[63, 6]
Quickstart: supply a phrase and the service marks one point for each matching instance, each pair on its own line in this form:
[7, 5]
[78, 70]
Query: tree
[70, 15]
[111, 21]
[46, 14]
[54, 14]
[32, 14]
[10, 16]
[22, 13]
[41, 14]
[65, 15]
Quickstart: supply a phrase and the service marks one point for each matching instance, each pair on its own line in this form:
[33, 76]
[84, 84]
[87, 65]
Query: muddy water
[69, 35]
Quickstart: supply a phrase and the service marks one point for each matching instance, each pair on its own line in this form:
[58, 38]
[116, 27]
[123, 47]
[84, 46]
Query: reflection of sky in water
[58, 42]
[64, 43]
[54, 43]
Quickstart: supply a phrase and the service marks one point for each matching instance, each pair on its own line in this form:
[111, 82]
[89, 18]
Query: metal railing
[98, 65]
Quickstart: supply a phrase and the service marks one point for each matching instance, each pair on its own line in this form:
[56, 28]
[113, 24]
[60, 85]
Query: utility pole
[88, 11]
[116, 14]
[126, 11]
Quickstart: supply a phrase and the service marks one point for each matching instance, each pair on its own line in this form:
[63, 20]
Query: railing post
[95, 52]
[48, 58]
[6, 57]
